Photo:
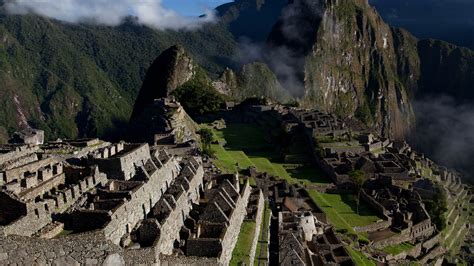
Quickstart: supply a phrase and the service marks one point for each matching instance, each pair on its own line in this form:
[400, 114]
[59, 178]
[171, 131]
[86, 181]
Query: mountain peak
[171, 69]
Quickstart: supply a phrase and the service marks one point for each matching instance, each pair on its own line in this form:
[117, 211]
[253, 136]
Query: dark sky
[450, 20]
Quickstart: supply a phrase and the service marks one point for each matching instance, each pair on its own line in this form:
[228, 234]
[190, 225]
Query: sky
[192, 7]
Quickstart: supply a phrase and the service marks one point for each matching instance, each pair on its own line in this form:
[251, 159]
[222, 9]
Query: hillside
[82, 80]
[339, 56]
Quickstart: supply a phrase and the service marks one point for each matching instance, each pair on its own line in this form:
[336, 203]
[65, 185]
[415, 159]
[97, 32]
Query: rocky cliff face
[354, 68]
[171, 69]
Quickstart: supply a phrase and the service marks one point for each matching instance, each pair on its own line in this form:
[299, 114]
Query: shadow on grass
[364, 209]
[309, 173]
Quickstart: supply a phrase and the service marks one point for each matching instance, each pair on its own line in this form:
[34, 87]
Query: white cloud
[109, 12]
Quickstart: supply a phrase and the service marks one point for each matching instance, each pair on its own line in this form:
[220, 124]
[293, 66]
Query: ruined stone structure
[28, 136]
[164, 122]
[164, 221]
[216, 230]
[304, 240]
[320, 124]
[409, 219]
[34, 192]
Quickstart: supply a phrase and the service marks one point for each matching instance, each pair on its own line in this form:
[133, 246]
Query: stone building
[321, 124]
[33, 193]
[304, 240]
[28, 136]
[217, 226]
[162, 225]
[410, 221]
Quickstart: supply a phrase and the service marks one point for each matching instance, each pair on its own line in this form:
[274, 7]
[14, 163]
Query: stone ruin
[211, 230]
[28, 136]
[143, 203]
[403, 208]
[304, 240]
[320, 124]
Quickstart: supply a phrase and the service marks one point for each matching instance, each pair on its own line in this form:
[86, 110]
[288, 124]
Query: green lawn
[246, 146]
[241, 251]
[397, 249]
[341, 210]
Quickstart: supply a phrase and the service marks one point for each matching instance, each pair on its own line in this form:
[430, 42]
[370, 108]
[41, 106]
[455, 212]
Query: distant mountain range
[449, 20]
[340, 56]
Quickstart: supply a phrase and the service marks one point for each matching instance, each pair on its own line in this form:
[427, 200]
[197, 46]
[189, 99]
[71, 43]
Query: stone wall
[258, 224]
[374, 227]
[403, 236]
[222, 245]
[131, 212]
[172, 225]
[81, 249]
[16, 153]
[175, 260]
[39, 214]
[122, 165]
[235, 222]
[375, 205]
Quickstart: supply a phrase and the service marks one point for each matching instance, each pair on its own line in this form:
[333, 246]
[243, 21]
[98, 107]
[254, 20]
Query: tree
[437, 208]
[206, 138]
[358, 177]
[199, 98]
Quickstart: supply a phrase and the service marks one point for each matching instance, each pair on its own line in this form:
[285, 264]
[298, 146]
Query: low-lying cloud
[281, 61]
[110, 12]
[290, 42]
[445, 132]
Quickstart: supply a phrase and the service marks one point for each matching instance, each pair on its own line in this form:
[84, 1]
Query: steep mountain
[351, 62]
[171, 69]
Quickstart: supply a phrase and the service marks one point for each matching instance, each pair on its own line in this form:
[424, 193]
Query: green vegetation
[257, 80]
[199, 98]
[206, 138]
[241, 252]
[246, 146]
[397, 249]
[262, 246]
[81, 80]
[364, 113]
[358, 177]
[359, 258]
[437, 208]
[341, 210]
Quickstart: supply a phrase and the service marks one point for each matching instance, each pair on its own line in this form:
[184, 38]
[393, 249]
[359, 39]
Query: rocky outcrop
[171, 69]
[227, 82]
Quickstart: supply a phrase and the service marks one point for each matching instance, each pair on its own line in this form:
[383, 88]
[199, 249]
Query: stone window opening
[23, 183]
[40, 176]
[55, 169]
